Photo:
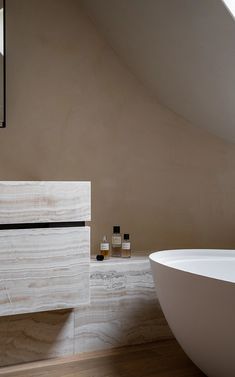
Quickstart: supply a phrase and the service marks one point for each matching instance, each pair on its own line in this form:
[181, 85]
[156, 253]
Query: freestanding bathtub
[196, 290]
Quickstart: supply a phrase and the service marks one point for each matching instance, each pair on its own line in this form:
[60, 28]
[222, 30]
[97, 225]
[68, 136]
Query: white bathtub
[196, 290]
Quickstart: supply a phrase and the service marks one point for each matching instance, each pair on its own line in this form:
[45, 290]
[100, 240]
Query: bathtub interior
[217, 264]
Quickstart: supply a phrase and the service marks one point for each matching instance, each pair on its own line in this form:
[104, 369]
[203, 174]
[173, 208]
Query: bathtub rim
[163, 257]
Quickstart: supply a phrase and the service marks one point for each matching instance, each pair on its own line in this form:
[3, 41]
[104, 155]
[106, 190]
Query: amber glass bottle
[104, 248]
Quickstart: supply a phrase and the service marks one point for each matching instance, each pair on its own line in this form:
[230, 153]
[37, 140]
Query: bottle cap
[126, 236]
[116, 229]
[99, 257]
[104, 239]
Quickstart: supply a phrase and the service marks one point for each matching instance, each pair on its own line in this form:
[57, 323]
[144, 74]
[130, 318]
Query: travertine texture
[38, 336]
[123, 309]
[25, 202]
[47, 268]
[43, 269]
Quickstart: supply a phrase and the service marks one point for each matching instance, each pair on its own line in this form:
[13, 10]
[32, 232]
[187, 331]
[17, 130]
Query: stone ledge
[124, 309]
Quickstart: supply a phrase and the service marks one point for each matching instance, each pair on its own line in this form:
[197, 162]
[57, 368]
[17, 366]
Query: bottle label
[104, 246]
[116, 241]
[126, 246]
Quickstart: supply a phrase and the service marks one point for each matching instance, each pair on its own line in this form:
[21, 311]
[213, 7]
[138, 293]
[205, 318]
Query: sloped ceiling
[183, 50]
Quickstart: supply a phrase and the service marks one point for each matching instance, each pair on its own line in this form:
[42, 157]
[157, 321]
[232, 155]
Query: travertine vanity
[44, 246]
[45, 266]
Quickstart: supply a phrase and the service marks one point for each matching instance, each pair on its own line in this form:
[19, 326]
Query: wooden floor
[162, 359]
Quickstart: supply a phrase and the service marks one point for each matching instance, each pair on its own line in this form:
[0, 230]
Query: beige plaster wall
[75, 112]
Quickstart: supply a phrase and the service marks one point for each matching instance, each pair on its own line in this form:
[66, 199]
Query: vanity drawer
[44, 201]
[43, 269]
[44, 245]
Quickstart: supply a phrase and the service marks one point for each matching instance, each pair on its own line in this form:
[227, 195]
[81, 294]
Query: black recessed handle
[59, 224]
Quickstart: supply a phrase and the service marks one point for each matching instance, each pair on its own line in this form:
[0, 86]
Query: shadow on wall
[75, 112]
[30, 337]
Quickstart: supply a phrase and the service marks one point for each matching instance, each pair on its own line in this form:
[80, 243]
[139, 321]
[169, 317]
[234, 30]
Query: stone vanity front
[55, 301]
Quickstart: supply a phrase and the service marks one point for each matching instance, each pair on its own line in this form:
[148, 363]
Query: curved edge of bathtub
[200, 313]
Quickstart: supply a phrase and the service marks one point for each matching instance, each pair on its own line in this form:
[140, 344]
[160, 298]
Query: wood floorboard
[159, 359]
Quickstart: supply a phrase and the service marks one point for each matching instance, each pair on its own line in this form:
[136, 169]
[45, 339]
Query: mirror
[2, 63]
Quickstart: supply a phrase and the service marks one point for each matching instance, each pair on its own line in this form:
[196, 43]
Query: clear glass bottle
[126, 246]
[104, 248]
[116, 242]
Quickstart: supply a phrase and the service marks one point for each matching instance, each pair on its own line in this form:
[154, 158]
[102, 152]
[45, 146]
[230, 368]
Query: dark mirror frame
[3, 122]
